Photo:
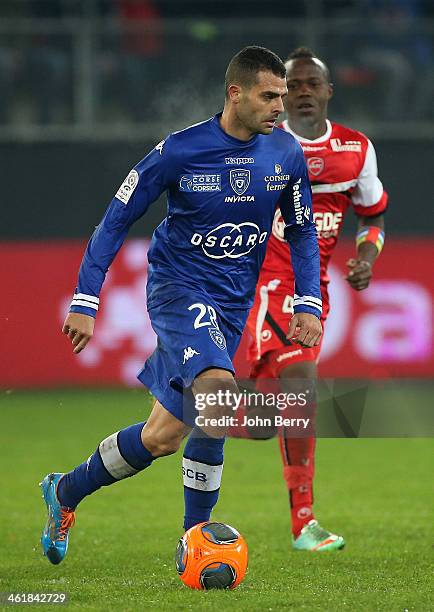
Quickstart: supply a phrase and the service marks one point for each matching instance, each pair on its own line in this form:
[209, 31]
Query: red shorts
[269, 351]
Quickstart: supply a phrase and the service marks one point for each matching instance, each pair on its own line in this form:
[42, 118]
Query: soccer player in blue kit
[224, 178]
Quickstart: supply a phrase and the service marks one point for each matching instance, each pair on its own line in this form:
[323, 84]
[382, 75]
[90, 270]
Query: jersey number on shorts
[203, 311]
[288, 305]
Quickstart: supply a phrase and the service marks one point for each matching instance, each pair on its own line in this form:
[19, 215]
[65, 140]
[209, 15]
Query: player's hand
[360, 273]
[79, 329]
[305, 329]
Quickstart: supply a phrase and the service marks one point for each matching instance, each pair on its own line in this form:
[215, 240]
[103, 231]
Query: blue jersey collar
[215, 124]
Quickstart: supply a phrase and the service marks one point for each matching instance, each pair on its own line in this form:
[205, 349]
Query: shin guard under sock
[202, 467]
[119, 456]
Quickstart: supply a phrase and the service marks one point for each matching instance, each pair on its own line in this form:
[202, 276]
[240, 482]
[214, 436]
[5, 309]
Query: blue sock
[202, 467]
[119, 456]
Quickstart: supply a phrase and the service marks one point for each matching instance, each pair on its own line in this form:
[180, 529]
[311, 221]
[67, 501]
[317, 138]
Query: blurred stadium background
[89, 86]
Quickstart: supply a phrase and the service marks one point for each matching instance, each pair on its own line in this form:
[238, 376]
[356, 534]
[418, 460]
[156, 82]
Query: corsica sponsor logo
[276, 182]
[229, 240]
[200, 182]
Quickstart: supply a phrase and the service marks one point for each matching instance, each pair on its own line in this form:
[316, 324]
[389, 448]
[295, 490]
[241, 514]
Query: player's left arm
[369, 203]
[369, 243]
[300, 232]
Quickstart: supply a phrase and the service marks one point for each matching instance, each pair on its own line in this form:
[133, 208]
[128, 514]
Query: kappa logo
[315, 165]
[239, 161]
[126, 190]
[240, 180]
[277, 168]
[188, 354]
[160, 146]
[200, 182]
[218, 338]
[230, 240]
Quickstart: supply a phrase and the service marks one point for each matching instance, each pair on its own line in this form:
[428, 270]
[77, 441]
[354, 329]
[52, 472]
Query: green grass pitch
[377, 493]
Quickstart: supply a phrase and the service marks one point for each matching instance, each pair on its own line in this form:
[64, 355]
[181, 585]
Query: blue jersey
[222, 194]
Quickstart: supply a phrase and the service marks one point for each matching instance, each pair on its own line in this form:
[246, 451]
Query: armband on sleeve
[371, 234]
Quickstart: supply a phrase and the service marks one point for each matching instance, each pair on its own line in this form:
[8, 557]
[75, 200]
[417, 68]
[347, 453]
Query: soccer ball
[211, 556]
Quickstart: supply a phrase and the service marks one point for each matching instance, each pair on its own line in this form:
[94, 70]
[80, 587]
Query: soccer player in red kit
[343, 173]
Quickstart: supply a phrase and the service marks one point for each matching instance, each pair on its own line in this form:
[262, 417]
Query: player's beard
[252, 122]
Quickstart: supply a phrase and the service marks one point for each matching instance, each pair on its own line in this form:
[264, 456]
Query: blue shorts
[192, 336]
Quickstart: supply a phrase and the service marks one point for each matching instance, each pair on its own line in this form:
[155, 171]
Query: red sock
[298, 470]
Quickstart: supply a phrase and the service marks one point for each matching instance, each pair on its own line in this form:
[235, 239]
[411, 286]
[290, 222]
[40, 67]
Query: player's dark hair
[245, 65]
[304, 53]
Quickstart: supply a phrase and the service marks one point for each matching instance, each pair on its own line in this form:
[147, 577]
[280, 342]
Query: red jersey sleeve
[369, 198]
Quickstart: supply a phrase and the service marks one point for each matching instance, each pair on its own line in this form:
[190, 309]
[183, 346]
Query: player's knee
[215, 380]
[217, 374]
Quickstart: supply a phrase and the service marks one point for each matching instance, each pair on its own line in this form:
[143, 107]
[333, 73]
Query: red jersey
[343, 173]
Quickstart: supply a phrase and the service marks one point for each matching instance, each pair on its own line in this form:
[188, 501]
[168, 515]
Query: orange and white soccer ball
[211, 556]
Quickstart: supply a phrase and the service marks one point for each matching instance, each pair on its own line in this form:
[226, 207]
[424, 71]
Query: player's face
[260, 105]
[308, 91]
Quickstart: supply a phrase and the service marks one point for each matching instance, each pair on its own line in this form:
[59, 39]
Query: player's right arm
[143, 185]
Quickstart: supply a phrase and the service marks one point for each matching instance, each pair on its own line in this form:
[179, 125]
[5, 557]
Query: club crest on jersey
[277, 168]
[315, 165]
[239, 180]
[218, 338]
